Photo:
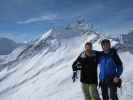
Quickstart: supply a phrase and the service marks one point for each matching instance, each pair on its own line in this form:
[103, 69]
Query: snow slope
[46, 75]
[13, 55]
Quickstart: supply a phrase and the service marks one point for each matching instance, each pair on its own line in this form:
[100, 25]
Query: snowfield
[47, 74]
[12, 56]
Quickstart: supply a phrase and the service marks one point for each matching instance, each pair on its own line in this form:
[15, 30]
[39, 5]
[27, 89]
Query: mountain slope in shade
[7, 46]
[13, 55]
[128, 41]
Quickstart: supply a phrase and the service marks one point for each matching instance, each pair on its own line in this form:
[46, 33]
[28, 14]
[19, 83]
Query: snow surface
[13, 55]
[47, 74]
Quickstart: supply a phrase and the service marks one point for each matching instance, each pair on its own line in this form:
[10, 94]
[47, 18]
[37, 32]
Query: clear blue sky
[24, 20]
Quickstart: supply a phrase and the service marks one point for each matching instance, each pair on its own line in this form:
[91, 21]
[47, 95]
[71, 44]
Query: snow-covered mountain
[7, 46]
[42, 70]
[9, 50]
[13, 55]
[128, 40]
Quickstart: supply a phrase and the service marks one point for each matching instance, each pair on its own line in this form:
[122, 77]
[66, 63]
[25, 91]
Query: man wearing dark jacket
[87, 62]
[111, 69]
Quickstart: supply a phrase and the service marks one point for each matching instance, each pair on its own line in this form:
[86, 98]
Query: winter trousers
[90, 92]
[109, 91]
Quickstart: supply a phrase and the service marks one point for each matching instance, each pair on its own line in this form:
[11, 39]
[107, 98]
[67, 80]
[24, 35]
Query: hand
[74, 77]
[116, 80]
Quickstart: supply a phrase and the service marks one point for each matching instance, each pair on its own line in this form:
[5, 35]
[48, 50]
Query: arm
[119, 65]
[98, 55]
[118, 62]
[76, 66]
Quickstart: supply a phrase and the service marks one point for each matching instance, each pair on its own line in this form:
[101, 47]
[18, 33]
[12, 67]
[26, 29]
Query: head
[106, 45]
[88, 46]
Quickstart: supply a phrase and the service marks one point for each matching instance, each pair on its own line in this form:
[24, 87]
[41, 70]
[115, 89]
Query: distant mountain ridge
[128, 41]
[7, 46]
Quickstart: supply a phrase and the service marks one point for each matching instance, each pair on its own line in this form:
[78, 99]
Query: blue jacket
[110, 65]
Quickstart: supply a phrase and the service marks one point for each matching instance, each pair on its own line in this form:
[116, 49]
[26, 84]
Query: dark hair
[105, 41]
[88, 43]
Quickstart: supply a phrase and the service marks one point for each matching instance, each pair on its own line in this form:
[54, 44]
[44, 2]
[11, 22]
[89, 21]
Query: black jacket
[88, 66]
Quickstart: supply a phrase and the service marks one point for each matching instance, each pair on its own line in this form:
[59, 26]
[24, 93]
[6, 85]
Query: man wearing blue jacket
[111, 69]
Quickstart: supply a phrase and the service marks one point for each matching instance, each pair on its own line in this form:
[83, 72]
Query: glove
[74, 77]
[119, 83]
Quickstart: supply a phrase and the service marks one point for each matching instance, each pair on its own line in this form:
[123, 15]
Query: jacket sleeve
[118, 63]
[76, 64]
[98, 55]
[120, 66]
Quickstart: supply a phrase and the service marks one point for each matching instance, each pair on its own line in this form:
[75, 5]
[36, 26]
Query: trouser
[90, 92]
[109, 91]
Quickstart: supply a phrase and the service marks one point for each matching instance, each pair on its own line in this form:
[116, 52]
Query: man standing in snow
[87, 62]
[110, 71]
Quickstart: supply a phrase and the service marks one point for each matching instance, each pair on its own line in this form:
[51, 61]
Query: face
[106, 46]
[88, 47]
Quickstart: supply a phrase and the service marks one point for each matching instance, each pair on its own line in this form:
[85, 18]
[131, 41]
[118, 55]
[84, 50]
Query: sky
[24, 20]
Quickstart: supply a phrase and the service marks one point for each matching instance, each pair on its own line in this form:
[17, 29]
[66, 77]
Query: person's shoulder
[82, 54]
[113, 50]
